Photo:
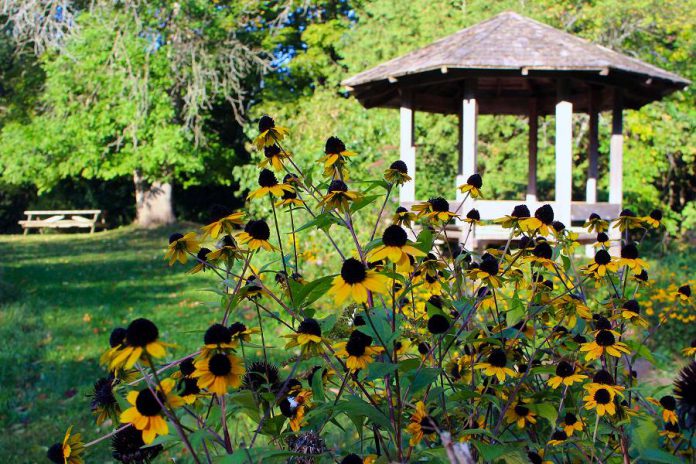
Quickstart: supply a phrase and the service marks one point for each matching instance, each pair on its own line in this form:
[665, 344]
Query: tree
[660, 137]
[130, 89]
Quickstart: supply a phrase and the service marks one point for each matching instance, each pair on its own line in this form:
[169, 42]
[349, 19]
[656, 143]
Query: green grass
[60, 296]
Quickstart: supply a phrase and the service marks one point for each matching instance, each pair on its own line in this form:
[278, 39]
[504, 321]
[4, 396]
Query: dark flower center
[141, 332]
[228, 241]
[265, 123]
[353, 271]
[570, 419]
[558, 226]
[520, 211]
[564, 369]
[401, 210]
[189, 386]
[497, 358]
[604, 377]
[286, 408]
[543, 250]
[186, 367]
[627, 213]
[55, 453]
[521, 411]
[668, 402]
[602, 237]
[436, 301]
[602, 396]
[357, 342]
[544, 214]
[474, 215]
[271, 151]
[358, 320]
[267, 178]
[117, 336]
[685, 387]
[602, 323]
[394, 235]
[439, 204]
[217, 334]
[261, 373]
[309, 326]
[632, 305]
[602, 257]
[559, 435]
[629, 251]
[594, 216]
[643, 276]
[174, 237]
[337, 185]
[334, 146]
[399, 166]
[219, 365]
[428, 425]
[127, 445]
[489, 264]
[258, 229]
[656, 214]
[605, 338]
[146, 403]
[289, 195]
[685, 290]
[423, 348]
[237, 327]
[670, 427]
[534, 458]
[290, 178]
[352, 459]
[579, 339]
[203, 254]
[103, 395]
[438, 324]
[475, 181]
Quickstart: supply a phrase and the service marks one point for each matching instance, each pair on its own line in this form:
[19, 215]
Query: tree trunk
[153, 202]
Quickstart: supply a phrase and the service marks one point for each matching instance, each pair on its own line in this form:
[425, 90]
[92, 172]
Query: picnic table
[60, 219]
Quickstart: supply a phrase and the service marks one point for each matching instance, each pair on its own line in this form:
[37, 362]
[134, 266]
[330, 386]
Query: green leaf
[356, 408]
[545, 410]
[378, 370]
[494, 453]
[310, 292]
[657, 455]
[363, 202]
[318, 386]
[644, 434]
[421, 379]
[321, 221]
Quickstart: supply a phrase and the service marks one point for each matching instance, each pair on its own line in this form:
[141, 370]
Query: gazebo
[511, 64]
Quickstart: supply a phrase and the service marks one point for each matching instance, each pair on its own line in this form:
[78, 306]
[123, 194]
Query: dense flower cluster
[405, 345]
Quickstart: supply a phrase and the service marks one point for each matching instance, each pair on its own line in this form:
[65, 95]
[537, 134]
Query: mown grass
[60, 296]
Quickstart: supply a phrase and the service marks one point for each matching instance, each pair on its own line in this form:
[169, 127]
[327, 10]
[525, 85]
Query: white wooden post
[616, 152]
[564, 154]
[408, 150]
[616, 166]
[532, 151]
[468, 136]
[593, 148]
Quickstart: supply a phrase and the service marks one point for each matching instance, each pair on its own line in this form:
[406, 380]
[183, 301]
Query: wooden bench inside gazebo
[514, 65]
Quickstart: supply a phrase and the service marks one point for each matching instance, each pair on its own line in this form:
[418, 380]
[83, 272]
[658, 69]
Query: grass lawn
[60, 296]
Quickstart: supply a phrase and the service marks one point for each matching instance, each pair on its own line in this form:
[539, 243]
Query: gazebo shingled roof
[514, 56]
[510, 64]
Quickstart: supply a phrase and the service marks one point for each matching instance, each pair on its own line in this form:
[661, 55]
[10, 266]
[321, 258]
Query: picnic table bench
[60, 219]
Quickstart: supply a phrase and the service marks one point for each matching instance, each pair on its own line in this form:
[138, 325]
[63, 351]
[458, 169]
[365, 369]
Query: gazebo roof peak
[510, 45]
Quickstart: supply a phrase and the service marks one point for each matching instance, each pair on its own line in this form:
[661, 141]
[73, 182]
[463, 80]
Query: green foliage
[659, 167]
